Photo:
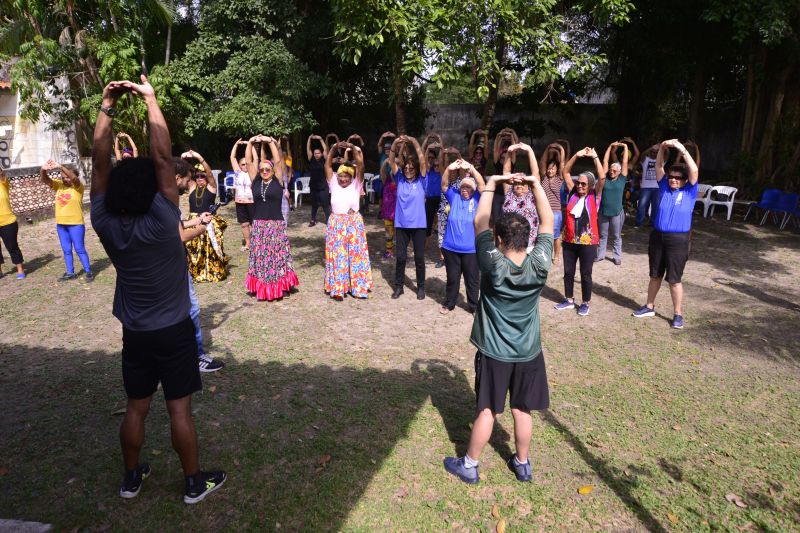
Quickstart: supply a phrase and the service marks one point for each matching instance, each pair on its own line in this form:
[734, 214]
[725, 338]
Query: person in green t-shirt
[506, 328]
[611, 216]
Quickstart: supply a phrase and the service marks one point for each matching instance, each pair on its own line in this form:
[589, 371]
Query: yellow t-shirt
[6, 215]
[69, 203]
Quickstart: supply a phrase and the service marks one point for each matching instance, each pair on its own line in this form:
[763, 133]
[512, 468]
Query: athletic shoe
[420, 293]
[523, 472]
[598, 259]
[439, 263]
[66, 276]
[618, 262]
[643, 312]
[566, 304]
[130, 487]
[583, 310]
[397, 292]
[455, 465]
[89, 277]
[677, 322]
[312, 223]
[21, 275]
[208, 364]
[209, 482]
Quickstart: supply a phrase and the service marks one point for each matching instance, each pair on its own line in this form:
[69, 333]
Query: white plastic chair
[703, 197]
[301, 186]
[722, 189]
[368, 186]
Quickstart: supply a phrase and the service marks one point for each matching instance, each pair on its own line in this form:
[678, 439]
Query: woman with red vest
[581, 231]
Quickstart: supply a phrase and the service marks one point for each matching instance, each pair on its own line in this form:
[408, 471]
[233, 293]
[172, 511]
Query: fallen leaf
[676, 427]
[672, 518]
[155, 452]
[495, 512]
[242, 397]
[325, 459]
[89, 362]
[71, 480]
[586, 489]
[119, 412]
[276, 397]
[212, 388]
[501, 526]
[236, 462]
[734, 499]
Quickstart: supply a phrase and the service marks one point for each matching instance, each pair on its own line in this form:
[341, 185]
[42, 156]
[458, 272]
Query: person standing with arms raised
[135, 214]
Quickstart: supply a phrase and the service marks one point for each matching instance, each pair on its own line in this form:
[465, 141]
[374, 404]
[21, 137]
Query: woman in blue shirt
[458, 245]
[668, 249]
[409, 215]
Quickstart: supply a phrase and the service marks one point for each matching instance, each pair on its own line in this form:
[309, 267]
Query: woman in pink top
[347, 267]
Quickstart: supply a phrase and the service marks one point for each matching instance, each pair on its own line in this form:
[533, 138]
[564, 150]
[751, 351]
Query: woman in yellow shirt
[69, 218]
[9, 229]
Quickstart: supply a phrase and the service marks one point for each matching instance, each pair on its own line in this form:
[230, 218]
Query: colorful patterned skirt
[347, 267]
[206, 253]
[270, 274]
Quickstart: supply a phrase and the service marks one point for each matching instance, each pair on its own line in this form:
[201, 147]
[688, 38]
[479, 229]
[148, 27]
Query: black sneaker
[130, 487]
[89, 277]
[66, 276]
[209, 364]
[420, 293]
[397, 292]
[439, 263]
[209, 482]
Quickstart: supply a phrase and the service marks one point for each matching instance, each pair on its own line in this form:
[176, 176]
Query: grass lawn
[336, 415]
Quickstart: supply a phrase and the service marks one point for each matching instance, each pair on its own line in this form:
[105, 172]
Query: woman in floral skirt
[270, 275]
[347, 266]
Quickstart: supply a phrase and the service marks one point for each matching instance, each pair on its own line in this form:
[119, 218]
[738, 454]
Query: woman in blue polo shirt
[668, 250]
[409, 214]
[459, 236]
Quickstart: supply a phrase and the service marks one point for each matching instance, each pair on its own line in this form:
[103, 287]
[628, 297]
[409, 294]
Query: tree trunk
[766, 152]
[698, 101]
[399, 98]
[490, 105]
[169, 45]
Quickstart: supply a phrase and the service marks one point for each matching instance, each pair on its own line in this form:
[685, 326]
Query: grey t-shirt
[152, 276]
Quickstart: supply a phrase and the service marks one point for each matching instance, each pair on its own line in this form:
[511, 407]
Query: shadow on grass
[301, 443]
[611, 476]
[39, 262]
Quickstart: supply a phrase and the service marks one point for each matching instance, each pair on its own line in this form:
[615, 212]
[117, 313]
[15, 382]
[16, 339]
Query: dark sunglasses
[676, 178]
[581, 184]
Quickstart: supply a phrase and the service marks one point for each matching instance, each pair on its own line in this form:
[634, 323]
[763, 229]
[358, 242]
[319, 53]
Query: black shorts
[431, 209]
[244, 213]
[527, 383]
[168, 355]
[668, 253]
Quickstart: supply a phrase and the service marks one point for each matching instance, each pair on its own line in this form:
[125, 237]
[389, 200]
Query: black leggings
[402, 237]
[457, 264]
[572, 253]
[320, 198]
[9, 235]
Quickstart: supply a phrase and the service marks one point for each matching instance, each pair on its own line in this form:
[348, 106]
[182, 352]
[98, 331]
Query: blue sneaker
[677, 322]
[21, 275]
[523, 472]
[644, 311]
[583, 310]
[566, 304]
[455, 465]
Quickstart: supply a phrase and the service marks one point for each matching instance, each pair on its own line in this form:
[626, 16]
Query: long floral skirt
[270, 274]
[206, 253]
[347, 267]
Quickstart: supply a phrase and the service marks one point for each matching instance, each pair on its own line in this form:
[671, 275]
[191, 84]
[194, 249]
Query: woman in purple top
[409, 215]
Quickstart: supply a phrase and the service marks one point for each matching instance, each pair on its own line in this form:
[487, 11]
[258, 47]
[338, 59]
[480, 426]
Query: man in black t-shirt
[320, 194]
[135, 214]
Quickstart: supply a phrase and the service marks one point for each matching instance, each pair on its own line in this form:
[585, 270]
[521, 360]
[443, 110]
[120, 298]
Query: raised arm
[212, 182]
[567, 169]
[625, 157]
[277, 158]
[252, 158]
[329, 163]
[45, 170]
[398, 142]
[688, 145]
[598, 167]
[564, 144]
[604, 168]
[663, 147]
[233, 159]
[636, 152]
[384, 135]
[485, 204]
[117, 151]
[356, 137]
[469, 167]
[102, 143]
[74, 178]
[328, 137]
[543, 209]
[690, 163]
[358, 155]
[133, 144]
[531, 156]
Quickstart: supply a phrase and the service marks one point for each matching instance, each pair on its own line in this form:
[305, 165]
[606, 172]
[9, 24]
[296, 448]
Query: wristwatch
[110, 111]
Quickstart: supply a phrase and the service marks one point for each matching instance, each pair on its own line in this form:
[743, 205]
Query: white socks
[469, 463]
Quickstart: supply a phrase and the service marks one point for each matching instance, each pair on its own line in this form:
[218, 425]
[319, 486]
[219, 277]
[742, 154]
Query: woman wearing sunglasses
[270, 275]
[581, 232]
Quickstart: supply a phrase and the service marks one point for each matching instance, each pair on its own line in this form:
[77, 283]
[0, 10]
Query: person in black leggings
[9, 229]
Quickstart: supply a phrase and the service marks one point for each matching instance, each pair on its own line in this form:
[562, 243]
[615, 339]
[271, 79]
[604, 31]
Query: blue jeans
[557, 220]
[648, 198]
[194, 313]
[71, 235]
[612, 225]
